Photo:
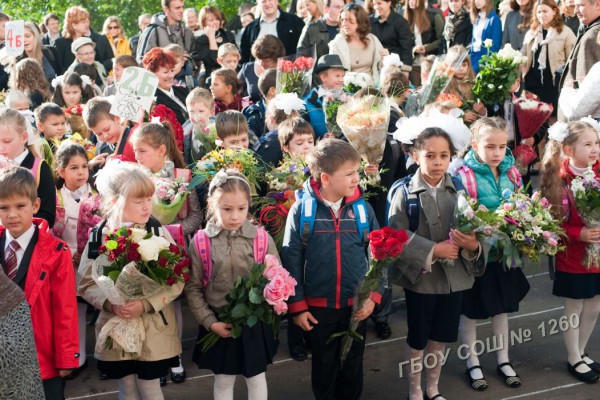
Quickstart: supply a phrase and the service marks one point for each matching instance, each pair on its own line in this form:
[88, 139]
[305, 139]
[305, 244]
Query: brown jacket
[162, 339]
[559, 49]
[232, 256]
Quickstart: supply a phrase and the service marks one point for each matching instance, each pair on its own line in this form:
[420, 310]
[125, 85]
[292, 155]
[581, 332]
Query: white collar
[321, 92]
[262, 19]
[577, 170]
[23, 240]
[21, 157]
[81, 193]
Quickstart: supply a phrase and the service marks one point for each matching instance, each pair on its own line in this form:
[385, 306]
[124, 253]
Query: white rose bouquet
[354, 81]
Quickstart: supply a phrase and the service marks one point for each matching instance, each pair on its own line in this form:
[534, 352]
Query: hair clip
[392, 59]
[155, 120]
[288, 102]
[558, 132]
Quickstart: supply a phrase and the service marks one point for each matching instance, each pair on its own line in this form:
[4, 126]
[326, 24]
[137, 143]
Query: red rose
[173, 248]
[394, 247]
[134, 245]
[376, 236]
[163, 261]
[387, 243]
[133, 255]
[178, 270]
[171, 281]
[102, 249]
[186, 277]
[378, 253]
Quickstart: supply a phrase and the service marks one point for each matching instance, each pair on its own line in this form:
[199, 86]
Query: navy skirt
[147, 370]
[576, 286]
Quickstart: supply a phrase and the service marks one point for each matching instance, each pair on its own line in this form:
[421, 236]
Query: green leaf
[236, 331]
[255, 296]
[239, 311]
[111, 244]
[114, 275]
[252, 320]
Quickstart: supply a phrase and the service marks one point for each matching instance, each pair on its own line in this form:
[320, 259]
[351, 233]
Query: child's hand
[479, 107]
[221, 328]
[371, 169]
[470, 116]
[590, 235]
[129, 310]
[446, 249]
[76, 259]
[463, 240]
[305, 321]
[528, 142]
[64, 372]
[100, 159]
[365, 310]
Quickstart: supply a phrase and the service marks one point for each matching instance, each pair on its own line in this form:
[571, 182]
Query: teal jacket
[489, 190]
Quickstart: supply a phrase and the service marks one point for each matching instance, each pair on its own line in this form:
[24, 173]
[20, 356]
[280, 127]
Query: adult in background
[587, 48]
[84, 51]
[162, 64]
[113, 30]
[486, 25]
[52, 25]
[320, 32]
[458, 29]
[427, 26]
[392, 30]
[358, 48]
[265, 51]
[517, 23]
[190, 18]
[567, 10]
[285, 26]
[3, 73]
[212, 37]
[314, 8]
[143, 22]
[45, 55]
[75, 26]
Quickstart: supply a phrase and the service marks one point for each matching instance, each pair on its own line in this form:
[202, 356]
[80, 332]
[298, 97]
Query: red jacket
[50, 293]
[571, 260]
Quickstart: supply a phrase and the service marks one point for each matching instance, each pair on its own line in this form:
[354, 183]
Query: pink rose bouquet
[294, 74]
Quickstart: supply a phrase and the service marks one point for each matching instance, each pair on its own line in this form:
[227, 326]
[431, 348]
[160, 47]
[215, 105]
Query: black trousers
[329, 382]
[54, 388]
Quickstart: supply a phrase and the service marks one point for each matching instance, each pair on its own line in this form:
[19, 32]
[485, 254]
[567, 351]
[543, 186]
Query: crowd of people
[71, 173]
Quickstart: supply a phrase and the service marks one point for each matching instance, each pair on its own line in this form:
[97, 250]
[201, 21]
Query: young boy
[228, 56]
[119, 65]
[41, 265]
[196, 138]
[322, 305]
[256, 112]
[296, 137]
[51, 122]
[232, 129]
[112, 136]
[331, 72]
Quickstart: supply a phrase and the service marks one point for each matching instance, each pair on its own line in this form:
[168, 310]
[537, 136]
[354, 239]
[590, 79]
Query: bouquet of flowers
[90, 148]
[133, 265]
[294, 74]
[204, 139]
[364, 122]
[75, 120]
[441, 73]
[331, 103]
[531, 115]
[471, 216]
[354, 81]
[259, 296]
[530, 226]
[386, 246]
[370, 183]
[241, 159]
[169, 197]
[586, 195]
[498, 72]
[290, 175]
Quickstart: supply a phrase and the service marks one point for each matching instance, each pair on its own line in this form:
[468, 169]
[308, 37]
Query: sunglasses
[113, 27]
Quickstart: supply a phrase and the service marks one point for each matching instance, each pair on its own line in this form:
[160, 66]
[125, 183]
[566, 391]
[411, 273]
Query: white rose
[149, 248]
[490, 86]
[137, 235]
[488, 43]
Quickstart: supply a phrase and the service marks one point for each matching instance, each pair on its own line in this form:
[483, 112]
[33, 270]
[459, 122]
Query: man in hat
[331, 73]
[84, 50]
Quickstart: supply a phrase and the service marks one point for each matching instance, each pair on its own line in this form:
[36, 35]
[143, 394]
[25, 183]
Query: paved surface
[540, 361]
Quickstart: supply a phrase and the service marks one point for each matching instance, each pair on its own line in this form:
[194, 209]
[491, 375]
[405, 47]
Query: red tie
[11, 259]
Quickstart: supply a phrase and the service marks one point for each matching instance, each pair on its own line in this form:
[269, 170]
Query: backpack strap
[467, 177]
[412, 208]
[392, 192]
[362, 218]
[176, 232]
[153, 226]
[202, 245]
[36, 169]
[260, 245]
[95, 240]
[308, 209]
[515, 177]
[186, 174]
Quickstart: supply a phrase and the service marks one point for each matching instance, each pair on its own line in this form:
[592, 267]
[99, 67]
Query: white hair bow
[86, 80]
[288, 102]
[56, 81]
[558, 132]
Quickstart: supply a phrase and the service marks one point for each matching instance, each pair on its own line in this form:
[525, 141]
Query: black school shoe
[594, 366]
[298, 353]
[163, 381]
[178, 377]
[587, 377]
[511, 381]
[383, 330]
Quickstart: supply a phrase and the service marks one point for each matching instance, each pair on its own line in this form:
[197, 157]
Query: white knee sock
[223, 388]
[500, 329]
[589, 316]
[150, 389]
[81, 320]
[257, 387]
[179, 317]
[468, 336]
[571, 335]
[128, 389]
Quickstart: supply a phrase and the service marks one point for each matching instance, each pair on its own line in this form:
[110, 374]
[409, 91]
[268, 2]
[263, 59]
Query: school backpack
[412, 200]
[260, 246]
[152, 226]
[467, 176]
[308, 210]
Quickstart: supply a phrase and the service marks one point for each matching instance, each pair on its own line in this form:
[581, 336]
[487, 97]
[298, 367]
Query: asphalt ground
[537, 353]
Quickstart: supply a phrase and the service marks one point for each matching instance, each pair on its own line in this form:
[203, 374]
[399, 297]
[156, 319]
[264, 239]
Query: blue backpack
[308, 211]
[412, 200]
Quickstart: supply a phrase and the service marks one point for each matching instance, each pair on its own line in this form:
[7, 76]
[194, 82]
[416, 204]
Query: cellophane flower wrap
[242, 160]
[497, 73]
[586, 195]
[364, 121]
[386, 245]
[134, 265]
[441, 73]
[530, 226]
[283, 181]
[331, 103]
[531, 114]
[259, 296]
[169, 196]
[204, 139]
[294, 73]
[472, 216]
[354, 81]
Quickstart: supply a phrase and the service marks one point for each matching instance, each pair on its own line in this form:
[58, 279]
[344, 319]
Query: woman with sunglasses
[113, 30]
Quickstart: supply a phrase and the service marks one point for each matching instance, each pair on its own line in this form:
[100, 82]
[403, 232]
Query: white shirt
[269, 27]
[171, 94]
[21, 157]
[335, 206]
[71, 206]
[478, 31]
[23, 241]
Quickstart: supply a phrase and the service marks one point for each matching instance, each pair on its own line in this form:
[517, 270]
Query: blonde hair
[489, 6]
[14, 120]
[329, 155]
[37, 41]
[108, 21]
[230, 123]
[486, 125]
[235, 182]
[159, 134]
[551, 183]
[228, 49]
[200, 95]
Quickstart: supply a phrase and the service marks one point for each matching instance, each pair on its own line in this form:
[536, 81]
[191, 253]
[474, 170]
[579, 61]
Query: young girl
[13, 142]
[70, 90]
[433, 289]
[127, 201]
[231, 238]
[225, 89]
[73, 186]
[486, 25]
[462, 82]
[28, 76]
[579, 285]
[488, 170]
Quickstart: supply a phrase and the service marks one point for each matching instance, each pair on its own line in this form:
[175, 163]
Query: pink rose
[552, 242]
[274, 290]
[547, 235]
[535, 196]
[508, 206]
[280, 307]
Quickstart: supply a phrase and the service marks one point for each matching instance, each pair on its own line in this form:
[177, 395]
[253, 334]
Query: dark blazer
[104, 53]
[208, 56]
[46, 190]
[289, 28]
[181, 93]
[395, 35]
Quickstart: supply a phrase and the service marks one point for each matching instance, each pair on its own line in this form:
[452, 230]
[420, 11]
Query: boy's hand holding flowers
[467, 241]
[365, 310]
[222, 329]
